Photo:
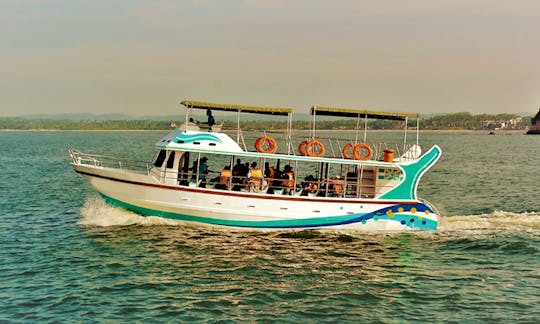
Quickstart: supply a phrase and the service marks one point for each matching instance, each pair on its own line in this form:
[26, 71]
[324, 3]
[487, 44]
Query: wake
[96, 212]
[498, 220]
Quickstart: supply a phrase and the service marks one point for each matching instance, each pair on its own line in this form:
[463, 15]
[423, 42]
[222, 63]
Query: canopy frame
[365, 114]
[239, 109]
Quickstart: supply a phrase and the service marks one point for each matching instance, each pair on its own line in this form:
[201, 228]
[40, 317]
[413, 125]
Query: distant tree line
[465, 120]
[24, 124]
[456, 121]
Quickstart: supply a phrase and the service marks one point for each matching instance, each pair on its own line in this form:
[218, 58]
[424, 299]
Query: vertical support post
[405, 136]
[313, 123]
[357, 129]
[417, 129]
[238, 126]
[198, 168]
[296, 173]
[290, 149]
[231, 166]
[365, 128]
[187, 118]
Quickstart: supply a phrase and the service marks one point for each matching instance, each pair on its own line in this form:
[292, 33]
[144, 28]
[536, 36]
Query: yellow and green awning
[360, 113]
[237, 108]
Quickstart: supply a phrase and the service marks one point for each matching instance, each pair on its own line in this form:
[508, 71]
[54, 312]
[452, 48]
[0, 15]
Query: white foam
[96, 212]
[496, 220]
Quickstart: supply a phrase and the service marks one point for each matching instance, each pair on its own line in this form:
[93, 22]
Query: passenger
[337, 186]
[211, 121]
[245, 170]
[288, 179]
[203, 171]
[225, 178]
[311, 186]
[269, 172]
[277, 172]
[236, 173]
[255, 178]
[194, 168]
[191, 125]
[237, 168]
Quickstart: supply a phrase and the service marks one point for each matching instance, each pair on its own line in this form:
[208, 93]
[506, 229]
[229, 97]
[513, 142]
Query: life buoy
[302, 148]
[346, 149]
[315, 148]
[266, 144]
[357, 152]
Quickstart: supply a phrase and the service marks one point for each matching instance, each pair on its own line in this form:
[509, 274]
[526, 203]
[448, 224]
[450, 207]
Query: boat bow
[413, 172]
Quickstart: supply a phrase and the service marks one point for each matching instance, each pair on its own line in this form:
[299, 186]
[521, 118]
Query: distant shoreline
[471, 131]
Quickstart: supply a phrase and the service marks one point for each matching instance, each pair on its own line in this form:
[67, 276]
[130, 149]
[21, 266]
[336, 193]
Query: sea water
[65, 256]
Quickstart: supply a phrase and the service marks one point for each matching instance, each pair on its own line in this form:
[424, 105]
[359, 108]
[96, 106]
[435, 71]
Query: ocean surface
[65, 256]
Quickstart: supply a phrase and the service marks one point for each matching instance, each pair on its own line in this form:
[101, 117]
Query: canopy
[241, 108]
[350, 112]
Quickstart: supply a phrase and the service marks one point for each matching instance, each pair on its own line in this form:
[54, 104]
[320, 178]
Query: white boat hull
[144, 195]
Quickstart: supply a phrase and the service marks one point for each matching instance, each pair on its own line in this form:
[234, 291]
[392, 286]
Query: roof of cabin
[363, 113]
[241, 108]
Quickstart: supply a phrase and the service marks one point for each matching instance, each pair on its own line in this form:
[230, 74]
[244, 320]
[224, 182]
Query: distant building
[514, 123]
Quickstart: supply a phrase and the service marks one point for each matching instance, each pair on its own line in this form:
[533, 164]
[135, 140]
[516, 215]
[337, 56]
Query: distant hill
[455, 121]
[99, 117]
[124, 116]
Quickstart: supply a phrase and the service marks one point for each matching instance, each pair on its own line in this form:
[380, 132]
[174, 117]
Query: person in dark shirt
[203, 171]
[211, 121]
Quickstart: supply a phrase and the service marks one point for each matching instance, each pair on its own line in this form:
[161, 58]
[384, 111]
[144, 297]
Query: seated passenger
[337, 186]
[211, 121]
[225, 178]
[203, 171]
[311, 186]
[288, 179]
[255, 178]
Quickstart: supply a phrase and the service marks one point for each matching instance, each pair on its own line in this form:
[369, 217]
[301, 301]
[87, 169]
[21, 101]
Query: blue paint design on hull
[394, 213]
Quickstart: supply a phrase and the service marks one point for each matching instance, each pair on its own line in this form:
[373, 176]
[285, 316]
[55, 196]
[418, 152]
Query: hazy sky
[144, 57]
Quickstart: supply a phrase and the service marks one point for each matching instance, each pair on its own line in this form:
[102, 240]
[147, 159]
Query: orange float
[266, 144]
[357, 152]
[302, 148]
[315, 148]
[346, 149]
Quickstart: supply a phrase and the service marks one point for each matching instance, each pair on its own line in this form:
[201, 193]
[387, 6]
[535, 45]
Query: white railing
[103, 161]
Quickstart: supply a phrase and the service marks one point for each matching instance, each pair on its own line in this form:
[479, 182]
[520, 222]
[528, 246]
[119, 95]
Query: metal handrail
[104, 161]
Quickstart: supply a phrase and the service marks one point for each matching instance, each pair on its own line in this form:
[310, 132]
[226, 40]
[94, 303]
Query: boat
[534, 129]
[203, 174]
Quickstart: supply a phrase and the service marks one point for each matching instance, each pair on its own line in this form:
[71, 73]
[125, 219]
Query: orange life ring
[266, 144]
[357, 152]
[346, 149]
[315, 148]
[302, 148]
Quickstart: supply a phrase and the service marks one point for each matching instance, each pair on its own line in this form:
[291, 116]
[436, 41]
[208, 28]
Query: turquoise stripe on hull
[393, 213]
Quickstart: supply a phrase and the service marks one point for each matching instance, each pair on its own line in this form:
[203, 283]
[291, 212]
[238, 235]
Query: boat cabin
[283, 163]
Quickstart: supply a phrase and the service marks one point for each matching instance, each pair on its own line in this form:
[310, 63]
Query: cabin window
[160, 159]
[170, 161]
[183, 169]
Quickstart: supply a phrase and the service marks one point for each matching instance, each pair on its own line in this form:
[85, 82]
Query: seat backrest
[217, 128]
